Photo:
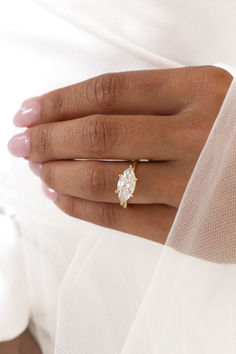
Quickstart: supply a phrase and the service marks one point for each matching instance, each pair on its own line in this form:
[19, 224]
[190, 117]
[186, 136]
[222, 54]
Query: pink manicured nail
[19, 145]
[28, 114]
[50, 193]
[36, 167]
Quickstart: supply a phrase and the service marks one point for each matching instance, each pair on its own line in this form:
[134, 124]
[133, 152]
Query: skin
[164, 116]
[23, 344]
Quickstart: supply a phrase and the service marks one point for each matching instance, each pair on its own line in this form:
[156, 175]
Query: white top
[87, 289]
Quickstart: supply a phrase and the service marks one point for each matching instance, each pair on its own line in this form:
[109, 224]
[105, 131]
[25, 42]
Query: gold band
[134, 164]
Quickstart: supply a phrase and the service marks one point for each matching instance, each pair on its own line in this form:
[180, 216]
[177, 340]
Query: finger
[158, 183]
[149, 221]
[160, 92]
[112, 137]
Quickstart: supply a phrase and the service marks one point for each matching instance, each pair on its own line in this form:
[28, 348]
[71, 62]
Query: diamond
[126, 186]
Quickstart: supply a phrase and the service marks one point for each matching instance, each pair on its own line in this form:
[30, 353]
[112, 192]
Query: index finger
[132, 92]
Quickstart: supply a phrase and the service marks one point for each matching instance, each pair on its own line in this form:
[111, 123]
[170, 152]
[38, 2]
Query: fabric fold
[14, 297]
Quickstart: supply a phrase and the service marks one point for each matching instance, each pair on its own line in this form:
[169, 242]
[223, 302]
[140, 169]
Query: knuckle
[103, 214]
[40, 140]
[52, 102]
[58, 102]
[99, 134]
[106, 89]
[106, 215]
[93, 135]
[49, 174]
[96, 182]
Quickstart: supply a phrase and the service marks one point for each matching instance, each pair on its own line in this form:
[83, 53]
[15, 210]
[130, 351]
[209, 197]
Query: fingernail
[36, 167]
[19, 145]
[28, 114]
[50, 193]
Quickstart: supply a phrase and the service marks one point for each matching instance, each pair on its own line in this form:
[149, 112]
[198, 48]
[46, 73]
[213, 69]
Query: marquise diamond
[126, 186]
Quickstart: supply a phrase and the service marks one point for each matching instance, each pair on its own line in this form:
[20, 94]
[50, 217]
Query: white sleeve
[14, 301]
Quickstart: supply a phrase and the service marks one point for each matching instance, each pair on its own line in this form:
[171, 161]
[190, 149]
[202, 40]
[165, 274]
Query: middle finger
[107, 137]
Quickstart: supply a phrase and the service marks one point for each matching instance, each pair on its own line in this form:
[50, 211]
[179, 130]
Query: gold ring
[126, 184]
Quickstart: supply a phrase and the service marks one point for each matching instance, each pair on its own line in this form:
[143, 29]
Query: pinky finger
[150, 221]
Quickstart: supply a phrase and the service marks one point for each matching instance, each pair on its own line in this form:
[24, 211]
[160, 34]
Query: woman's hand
[164, 116]
[23, 344]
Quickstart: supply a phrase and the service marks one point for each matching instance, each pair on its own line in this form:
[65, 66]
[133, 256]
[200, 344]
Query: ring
[126, 184]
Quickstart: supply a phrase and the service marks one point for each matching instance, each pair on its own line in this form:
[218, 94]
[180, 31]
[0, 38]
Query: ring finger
[158, 182]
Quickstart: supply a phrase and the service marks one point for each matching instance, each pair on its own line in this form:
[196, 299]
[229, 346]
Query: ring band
[126, 184]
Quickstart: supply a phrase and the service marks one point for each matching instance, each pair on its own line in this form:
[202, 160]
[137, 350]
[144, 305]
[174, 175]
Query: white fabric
[89, 289]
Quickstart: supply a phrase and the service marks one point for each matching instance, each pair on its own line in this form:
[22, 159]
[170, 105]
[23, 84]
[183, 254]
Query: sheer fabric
[83, 288]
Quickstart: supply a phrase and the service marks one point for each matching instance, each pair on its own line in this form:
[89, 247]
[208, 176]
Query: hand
[164, 116]
[23, 344]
